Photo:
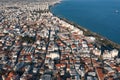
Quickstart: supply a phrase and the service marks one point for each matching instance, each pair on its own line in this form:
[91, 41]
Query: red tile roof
[73, 46]
[60, 65]
[118, 68]
[29, 58]
[8, 78]
[100, 73]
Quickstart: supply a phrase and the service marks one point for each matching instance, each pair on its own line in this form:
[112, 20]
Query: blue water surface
[100, 16]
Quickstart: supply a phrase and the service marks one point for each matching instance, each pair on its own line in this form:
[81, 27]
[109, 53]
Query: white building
[54, 55]
[97, 52]
[106, 55]
[110, 54]
[114, 53]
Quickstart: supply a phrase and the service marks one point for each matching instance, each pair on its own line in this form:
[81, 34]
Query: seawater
[100, 16]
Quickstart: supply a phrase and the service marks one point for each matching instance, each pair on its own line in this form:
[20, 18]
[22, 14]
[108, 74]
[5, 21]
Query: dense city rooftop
[36, 45]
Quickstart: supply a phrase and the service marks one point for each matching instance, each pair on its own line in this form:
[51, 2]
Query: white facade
[97, 52]
[110, 54]
[54, 55]
[114, 53]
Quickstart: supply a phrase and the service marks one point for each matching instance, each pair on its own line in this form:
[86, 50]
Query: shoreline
[99, 38]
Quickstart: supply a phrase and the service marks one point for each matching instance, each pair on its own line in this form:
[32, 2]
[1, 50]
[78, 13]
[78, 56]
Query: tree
[28, 39]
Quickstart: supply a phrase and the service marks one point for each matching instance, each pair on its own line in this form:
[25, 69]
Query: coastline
[99, 38]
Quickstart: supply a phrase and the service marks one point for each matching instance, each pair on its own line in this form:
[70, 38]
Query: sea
[100, 16]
